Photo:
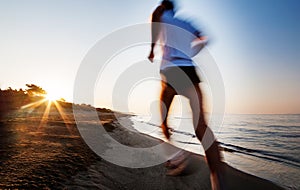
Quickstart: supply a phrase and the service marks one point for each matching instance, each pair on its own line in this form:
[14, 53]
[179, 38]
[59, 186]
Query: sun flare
[52, 97]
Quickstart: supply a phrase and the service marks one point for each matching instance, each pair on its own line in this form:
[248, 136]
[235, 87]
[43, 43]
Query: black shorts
[180, 77]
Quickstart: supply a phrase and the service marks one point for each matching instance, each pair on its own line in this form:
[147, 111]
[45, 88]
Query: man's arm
[155, 29]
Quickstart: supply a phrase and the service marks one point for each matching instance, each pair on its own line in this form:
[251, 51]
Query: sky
[255, 44]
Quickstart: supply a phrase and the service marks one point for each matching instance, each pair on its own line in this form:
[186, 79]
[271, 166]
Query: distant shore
[39, 152]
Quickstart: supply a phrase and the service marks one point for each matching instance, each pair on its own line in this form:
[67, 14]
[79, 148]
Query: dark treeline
[13, 99]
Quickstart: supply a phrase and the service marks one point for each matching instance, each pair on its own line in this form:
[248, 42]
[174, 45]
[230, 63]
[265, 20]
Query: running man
[179, 77]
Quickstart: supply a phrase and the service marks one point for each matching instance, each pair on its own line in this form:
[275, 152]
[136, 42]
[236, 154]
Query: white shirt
[177, 36]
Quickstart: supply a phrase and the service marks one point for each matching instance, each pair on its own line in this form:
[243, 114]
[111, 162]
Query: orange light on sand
[50, 99]
[44, 119]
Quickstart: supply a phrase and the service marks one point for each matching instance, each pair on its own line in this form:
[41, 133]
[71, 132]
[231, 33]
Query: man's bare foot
[170, 165]
[177, 170]
[177, 164]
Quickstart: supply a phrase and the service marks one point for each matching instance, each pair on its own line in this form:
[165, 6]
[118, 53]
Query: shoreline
[273, 160]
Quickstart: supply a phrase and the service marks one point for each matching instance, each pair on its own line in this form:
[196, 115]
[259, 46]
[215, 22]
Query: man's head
[168, 4]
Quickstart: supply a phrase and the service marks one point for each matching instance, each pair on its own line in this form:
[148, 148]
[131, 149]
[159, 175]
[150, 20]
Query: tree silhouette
[34, 90]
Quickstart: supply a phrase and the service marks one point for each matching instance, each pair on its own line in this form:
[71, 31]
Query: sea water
[267, 146]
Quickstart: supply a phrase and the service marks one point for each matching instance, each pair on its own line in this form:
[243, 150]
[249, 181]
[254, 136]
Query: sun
[52, 97]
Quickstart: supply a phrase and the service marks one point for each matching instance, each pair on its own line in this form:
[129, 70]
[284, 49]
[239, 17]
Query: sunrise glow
[52, 97]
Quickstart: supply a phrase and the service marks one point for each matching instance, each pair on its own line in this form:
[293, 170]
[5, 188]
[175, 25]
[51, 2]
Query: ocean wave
[277, 157]
[261, 154]
[282, 126]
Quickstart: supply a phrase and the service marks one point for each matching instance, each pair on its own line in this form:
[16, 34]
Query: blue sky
[255, 44]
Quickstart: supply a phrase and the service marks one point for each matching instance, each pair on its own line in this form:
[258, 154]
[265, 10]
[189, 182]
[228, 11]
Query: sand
[196, 175]
[51, 154]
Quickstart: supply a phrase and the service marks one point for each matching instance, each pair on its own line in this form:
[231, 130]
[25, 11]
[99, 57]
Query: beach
[40, 152]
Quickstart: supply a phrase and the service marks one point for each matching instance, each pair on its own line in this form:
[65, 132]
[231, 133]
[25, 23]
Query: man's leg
[166, 97]
[205, 135]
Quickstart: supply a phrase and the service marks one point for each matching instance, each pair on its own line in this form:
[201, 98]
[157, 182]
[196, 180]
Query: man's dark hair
[168, 5]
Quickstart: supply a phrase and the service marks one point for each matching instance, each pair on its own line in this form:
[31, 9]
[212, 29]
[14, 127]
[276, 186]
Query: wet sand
[49, 153]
